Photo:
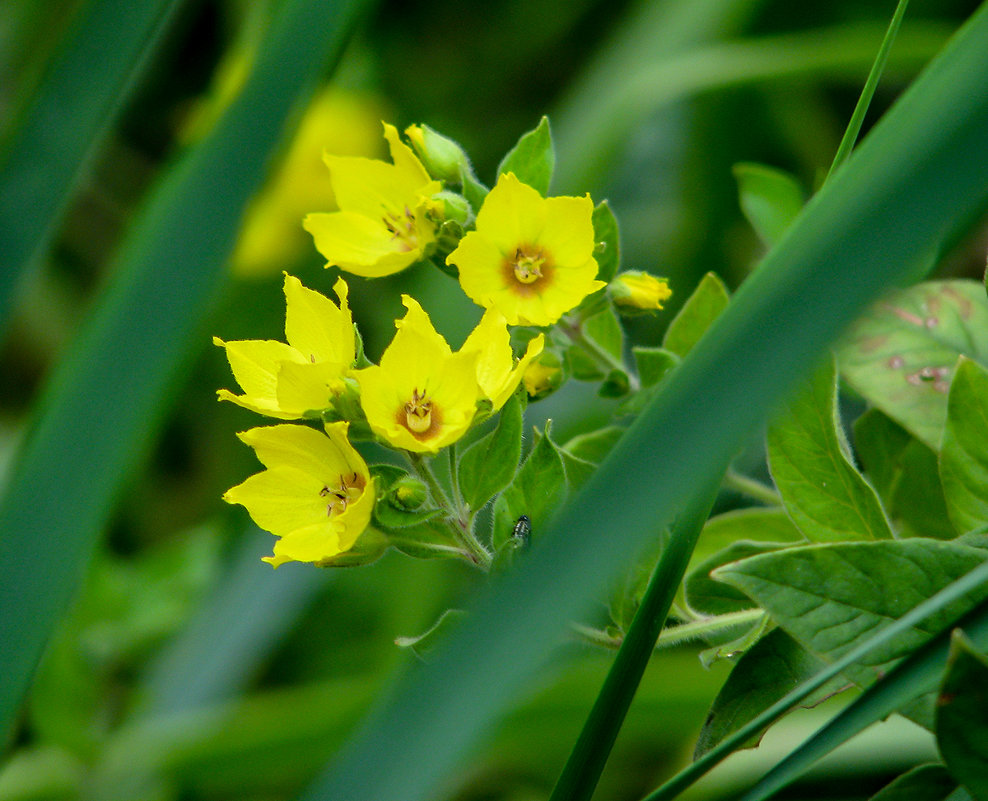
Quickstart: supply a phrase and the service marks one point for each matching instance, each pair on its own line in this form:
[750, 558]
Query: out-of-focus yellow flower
[530, 257]
[286, 381]
[387, 218]
[422, 397]
[272, 237]
[639, 291]
[497, 373]
[542, 376]
[316, 493]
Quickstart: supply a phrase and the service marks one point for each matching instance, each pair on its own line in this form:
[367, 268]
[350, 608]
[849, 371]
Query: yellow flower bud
[442, 157]
[636, 292]
[543, 375]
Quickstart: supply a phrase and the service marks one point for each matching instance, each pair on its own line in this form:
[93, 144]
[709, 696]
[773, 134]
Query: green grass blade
[582, 770]
[730, 744]
[914, 675]
[64, 123]
[842, 52]
[863, 231]
[868, 92]
[106, 398]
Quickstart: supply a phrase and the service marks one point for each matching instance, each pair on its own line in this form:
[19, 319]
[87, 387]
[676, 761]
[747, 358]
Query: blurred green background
[181, 667]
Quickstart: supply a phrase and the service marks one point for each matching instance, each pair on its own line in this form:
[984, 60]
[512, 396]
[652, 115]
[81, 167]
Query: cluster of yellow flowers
[528, 260]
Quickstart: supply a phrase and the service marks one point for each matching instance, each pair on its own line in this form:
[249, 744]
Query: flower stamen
[402, 228]
[418, 413]
[348, 491]
[527, 265]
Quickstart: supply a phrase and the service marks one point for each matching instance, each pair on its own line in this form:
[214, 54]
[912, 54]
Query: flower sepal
[365, 551]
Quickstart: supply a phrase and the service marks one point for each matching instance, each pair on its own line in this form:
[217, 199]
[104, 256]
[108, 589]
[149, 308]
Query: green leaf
[767, 671]
[770, 199]
[594, 446]
[901, 355]
[532, 159]
[537, 490]
[879, 442]
[918, 506]
[607, 237]
[489, 464]
[84, 89]
[106, 400]
[823, 492]
[708, 596]
[964, 456]
[425, 643]
[831, 597]
[756, 523]
[706, 303]
[653, 364]
[925, 783]
[604, 329]
[962, 716]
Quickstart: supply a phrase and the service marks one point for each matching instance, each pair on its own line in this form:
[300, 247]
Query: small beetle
[522, 532]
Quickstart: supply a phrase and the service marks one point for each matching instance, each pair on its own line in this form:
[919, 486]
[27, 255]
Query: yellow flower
[422, 397]
[639, 291]
[497, 373]
[337, 121]
[316, 493]
[286, 381]
[387, 215]
[530, 257]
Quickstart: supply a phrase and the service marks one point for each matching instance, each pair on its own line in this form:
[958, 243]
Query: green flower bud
[442, 157]
[408, 493]
[544, 375]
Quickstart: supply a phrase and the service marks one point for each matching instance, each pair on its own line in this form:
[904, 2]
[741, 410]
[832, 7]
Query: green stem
[586, 761]
[675, 635]
[857, 118]
[460, 527]
[605, 359]
[752, 488]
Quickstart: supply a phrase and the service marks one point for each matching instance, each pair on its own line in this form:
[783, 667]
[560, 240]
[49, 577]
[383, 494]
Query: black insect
[522, 532]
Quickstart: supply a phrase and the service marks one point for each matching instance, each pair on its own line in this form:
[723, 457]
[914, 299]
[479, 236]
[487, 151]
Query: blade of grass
[729, 745]
[602, 127]
[586, 761]
[866, 229]
[105, 400]
[64, 123]
[868, 92]
[916, 674]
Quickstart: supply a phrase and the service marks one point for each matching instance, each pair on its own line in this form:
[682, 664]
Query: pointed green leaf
[830, 597]
[964, 456]
[771, 668]
[901, 354]
[823, 492]
[604, 329]
[537, 491]
[595, 445]
[918, 506]
[607, 237]
[706, 303]
[962, 716]
[490, 463]
[925, 783]
[653, 364]
[757, 524]
[770, 199]
[879, 442]
[532, 159]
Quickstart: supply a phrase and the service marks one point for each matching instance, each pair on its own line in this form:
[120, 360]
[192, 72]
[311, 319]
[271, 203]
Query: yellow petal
[359, 244]
[255, 364]
[315, 326]
[309, 387]
[568, 232]
[281, 499]
[512, 214]
[405, 160]
[303, 448]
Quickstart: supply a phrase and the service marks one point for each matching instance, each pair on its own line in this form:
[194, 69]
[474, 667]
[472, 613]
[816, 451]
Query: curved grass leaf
[65, 121]
[106, 398]
[901, 355]
[964, 456]
[823, 492]
[860, 233]
[962, 716]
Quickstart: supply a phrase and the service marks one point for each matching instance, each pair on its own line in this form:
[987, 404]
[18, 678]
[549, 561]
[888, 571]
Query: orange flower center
[419, 415]
[348, 490]
[527, 264]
